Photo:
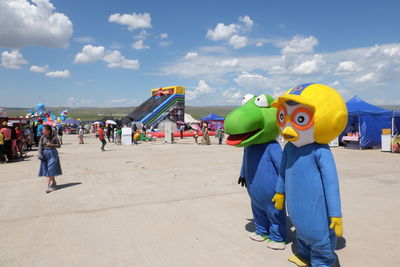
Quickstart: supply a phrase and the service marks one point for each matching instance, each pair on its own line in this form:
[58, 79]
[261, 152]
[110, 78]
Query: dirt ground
[157, 204]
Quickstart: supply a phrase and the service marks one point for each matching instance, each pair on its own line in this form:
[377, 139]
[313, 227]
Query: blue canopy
[71, 121]
[212, 117]
[370, 120]
[357, 106]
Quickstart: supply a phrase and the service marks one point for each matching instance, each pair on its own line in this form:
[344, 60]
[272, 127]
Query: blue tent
[214, 121]
[212, 117]
[369, 120]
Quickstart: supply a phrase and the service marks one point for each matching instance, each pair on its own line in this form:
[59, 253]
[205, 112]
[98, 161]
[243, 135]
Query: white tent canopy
[190, 119]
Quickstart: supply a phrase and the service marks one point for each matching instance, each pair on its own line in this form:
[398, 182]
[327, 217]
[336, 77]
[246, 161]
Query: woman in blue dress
[50, 163]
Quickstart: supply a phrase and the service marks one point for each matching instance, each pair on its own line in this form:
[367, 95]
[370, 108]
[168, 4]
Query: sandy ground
[176, 205]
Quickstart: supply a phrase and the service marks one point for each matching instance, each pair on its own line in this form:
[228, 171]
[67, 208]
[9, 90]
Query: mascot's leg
[260, 222]
[323, 251]
[277, 227]
[303, 254]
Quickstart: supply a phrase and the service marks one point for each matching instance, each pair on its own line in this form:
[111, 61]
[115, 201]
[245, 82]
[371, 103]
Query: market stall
[214, 121]
[365, 124]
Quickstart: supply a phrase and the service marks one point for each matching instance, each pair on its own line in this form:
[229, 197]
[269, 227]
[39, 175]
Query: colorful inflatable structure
[166, 103]
[39, 112]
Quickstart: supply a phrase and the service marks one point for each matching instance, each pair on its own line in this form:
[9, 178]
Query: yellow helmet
[330, 111]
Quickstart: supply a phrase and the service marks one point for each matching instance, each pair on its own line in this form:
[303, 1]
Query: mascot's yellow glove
[279, 200]
[336, 225]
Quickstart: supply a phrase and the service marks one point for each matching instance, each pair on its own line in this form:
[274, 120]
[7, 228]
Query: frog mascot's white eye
[261, 101]
[247, 98]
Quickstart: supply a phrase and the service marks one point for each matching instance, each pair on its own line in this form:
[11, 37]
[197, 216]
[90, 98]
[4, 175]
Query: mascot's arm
[275, 154]
[279, 198]
[280, 183]
[330, 182]
[242, 180]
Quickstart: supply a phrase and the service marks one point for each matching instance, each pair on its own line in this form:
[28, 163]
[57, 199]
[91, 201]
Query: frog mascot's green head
[254, 122]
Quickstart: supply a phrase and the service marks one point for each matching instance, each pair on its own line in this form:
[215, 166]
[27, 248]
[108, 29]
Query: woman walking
[50, 163]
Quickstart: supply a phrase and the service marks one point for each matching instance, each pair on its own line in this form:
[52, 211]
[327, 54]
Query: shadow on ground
[62, 186]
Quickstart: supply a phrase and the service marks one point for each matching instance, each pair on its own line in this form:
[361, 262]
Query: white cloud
[163, 35]
[72, 102]
[365, 78]
[287, 70]
[165, 43]
[39, 69]
[51, 74]
[232, 95]
[12, 60]
[89, 54]
[300, 44]
[133, 21]
[229, 63]
[259, 44]
[131, 64]
[202, 88]
[221, 32]
[114, 58]
[190, 55]
[392, 51]
[252, 80]
[142, 35]
[59, 74]
[247, 21]
[233, 33]
[309, 66]
[277, 70]
[346, 66]
[25, 23]
[84, 39]
[139, 45]
[238, 41]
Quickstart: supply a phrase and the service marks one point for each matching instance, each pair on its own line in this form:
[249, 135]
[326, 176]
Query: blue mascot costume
[309, 117]
[253, 126]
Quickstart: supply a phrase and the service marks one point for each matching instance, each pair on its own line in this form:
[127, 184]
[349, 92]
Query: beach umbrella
[111, 122]
[51, 123]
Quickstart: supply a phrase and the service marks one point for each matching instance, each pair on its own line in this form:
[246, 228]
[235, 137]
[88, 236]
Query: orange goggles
[301, 118]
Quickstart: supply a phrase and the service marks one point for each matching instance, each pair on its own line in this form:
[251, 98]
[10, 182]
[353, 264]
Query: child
[136, 137]
[102, 138]
[196, 136]
[80, 134]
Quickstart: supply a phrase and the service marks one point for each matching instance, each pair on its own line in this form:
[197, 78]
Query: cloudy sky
[111, 53]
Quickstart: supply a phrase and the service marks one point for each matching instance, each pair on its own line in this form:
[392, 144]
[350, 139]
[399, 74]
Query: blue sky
[111, 53]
